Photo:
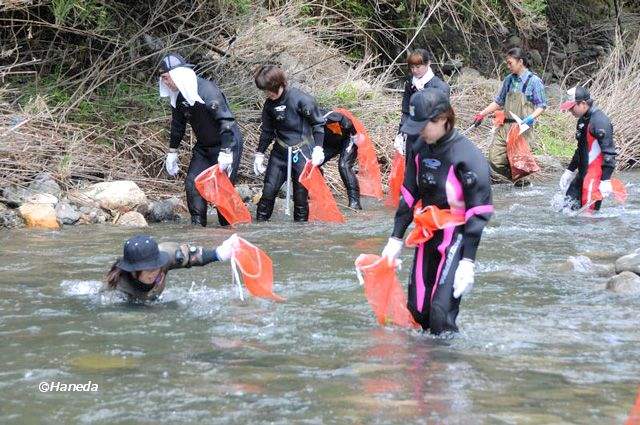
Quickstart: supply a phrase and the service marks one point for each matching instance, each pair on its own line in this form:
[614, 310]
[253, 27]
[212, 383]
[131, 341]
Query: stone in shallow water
[624, 283]
[101, 362]
[132, 219]
[629, 263]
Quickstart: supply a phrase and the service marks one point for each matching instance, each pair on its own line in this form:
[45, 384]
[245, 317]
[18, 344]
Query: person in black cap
[141, 272]
[339, 139]
[445, 173]
[421, 78]
[292, 118]
[594, 160]
[200, 103]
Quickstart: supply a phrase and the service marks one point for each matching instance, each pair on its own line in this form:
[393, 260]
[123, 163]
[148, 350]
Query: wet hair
[270, 77]
[518, 53]
[419, 57]
[114, 275]
[450, 117]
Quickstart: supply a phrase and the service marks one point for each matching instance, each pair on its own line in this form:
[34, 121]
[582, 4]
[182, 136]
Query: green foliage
[90, 14]
[553, 136]
[535, 7]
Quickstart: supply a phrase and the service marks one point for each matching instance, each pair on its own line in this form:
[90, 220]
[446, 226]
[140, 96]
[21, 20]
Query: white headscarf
[185, 79]
[419, 83]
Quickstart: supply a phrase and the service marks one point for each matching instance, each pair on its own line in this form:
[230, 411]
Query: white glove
[463, 280]
[605, 188]
[317, 156]
[400, 142]
[171, 163]
[258, 164]
[225, 159]
[392, 249]
[224, 251]
[566, 179]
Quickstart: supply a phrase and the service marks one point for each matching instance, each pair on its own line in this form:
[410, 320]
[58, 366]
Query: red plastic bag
[256, 268]
[519, 153]
[369, 176]
[396, 178]
[214, 186]
[322, 205]
[383, 291]
[429, 219]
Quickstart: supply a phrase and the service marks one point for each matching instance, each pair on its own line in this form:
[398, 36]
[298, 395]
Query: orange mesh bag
[322, 206]
[256, 268]
[429, 219]
[369, 176]
[519, 153]
[383, 291]
[214, 186]
[396, 177]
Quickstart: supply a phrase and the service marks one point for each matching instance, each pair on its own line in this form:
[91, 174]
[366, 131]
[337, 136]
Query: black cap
[423, 107]
[141, 253]
[173, 61]
[574, 95]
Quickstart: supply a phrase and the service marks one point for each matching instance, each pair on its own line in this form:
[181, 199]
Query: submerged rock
[624, 283]
[39, 215]
[132, 219]
[67, 213]
[629, 263]
[119, 195]
[101, 362]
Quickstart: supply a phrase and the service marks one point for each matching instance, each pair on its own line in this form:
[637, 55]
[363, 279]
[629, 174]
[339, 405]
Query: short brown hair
[419, 57]
[270, 77]
[450, 116]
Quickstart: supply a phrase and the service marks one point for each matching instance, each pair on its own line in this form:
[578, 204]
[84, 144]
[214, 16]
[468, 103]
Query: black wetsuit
[450, 174]
[410, 89]
[182, 256]
[338, 130]
[292, 120]
[594, 158]
[215, 128]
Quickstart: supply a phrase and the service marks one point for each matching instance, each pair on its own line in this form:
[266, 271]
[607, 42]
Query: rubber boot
[264, 209]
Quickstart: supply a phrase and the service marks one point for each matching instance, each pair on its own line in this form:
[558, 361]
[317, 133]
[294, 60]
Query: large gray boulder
[629, 263]
[119, 195]
[42, 190]
[624, 283]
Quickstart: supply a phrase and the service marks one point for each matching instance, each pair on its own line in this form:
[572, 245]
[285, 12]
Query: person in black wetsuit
[339, 139]
[594, 160]
[447, 171]
[200, 103]
[142, 271]
[290, 117]
[421, 78]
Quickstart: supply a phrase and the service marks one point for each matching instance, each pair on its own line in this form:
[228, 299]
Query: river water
[540, 342]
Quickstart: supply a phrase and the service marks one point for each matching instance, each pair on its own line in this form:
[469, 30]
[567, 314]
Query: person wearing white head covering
[200, 103]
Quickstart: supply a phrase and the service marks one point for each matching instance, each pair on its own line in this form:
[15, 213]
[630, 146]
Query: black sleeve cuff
[318, 139]
[606, 173]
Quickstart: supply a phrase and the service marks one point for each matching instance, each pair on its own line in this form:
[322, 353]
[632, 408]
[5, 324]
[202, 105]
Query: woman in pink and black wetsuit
[445, 170]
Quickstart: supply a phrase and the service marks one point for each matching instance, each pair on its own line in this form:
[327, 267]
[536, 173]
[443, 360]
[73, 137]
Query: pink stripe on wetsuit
[455, 199]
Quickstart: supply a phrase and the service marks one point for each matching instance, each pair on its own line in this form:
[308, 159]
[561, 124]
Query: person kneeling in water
[448, 176]
[142, 271]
